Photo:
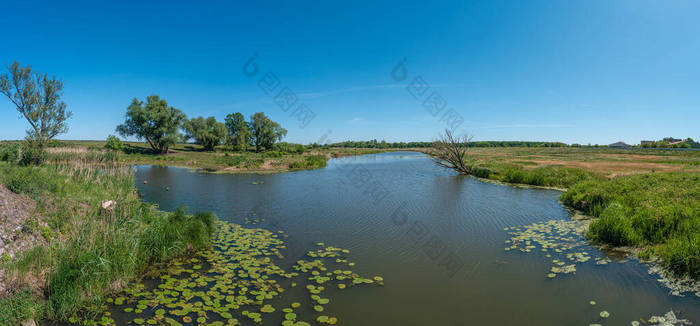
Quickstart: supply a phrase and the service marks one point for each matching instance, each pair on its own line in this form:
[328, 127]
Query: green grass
[660, 211]
[92, 252]
[546, 176]
[18, 307]
[311, 162]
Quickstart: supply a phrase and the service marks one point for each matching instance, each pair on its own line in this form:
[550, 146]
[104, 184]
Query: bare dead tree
[450, 151]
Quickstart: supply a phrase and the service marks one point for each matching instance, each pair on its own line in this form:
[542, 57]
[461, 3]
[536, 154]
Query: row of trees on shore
[159, 124]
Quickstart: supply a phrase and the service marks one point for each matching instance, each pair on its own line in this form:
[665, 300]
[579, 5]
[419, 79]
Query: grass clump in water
[660, 211]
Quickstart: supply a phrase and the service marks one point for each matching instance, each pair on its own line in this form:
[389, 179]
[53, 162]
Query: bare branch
[450, 151]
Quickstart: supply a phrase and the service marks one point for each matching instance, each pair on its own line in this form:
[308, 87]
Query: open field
[563, 167]
[602, 161]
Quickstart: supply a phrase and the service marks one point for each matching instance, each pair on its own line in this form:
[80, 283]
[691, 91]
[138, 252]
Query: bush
[310, 162]
[9, 153]
[514, 176]
[481, 172]
[32, 153]
[113, 143]
[289, 147]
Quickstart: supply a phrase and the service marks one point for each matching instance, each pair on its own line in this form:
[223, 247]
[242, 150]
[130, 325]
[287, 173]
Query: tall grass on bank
[546, 176]
[309, 162]
[91, 252]
[660, 211]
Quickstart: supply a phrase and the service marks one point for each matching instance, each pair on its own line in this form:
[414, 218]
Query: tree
[450, 151]
[265, 131]
[113, 143]
[206, 132]
[38, 98]
[156, 122]
[239, 135]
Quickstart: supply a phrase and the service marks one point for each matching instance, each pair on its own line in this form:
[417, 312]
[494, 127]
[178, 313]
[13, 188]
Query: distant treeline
[496, 143]
[383, 144]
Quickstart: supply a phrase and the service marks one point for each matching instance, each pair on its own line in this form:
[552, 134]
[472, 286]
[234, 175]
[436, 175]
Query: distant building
[619, 144]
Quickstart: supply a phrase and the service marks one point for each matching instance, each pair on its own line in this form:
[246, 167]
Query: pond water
[436, 238]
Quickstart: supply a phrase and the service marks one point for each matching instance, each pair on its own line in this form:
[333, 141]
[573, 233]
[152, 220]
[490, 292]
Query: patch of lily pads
[668, 319]
[561, 241]
[235, 283]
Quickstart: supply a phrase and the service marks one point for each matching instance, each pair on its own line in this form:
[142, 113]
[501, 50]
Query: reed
[91, 252]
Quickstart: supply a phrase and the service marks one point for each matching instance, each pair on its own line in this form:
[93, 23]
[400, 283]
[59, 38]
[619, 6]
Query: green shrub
[9, 153]
[481, 172]
[309, 162]
[32, 153]
[113, 143]
[514, 176]
[289, 148]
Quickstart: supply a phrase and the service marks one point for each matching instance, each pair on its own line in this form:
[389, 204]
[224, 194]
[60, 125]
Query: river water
[436, 238]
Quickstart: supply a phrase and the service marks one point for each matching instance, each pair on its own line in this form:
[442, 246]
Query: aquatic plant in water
[555, 238]
[234, 283]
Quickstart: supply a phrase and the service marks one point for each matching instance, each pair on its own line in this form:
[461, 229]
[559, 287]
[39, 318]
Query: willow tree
[265, 132]
[153, 121]
[450, 151]
[239, 135]
[208, 132]
[38, 99]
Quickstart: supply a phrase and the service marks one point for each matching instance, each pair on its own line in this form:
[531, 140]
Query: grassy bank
[285, 158]
[648, 199]
[657, 211]
[90, 252]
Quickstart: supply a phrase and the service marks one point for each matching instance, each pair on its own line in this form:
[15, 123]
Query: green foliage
[289, 147]
[239, 135]
[102, 249]
[38, 98]
[156, 122]
[661, 210]
[310, 162]
[265, 131]
[114, 143]
[18, 307]
[33, 153]
[9, 153]
[547, 176]
[206, 132]
[30, 180]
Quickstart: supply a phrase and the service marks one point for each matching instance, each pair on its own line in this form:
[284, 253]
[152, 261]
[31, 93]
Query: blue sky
[571, 71]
